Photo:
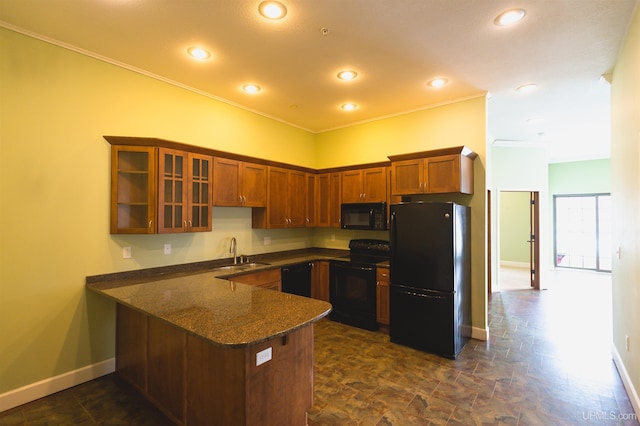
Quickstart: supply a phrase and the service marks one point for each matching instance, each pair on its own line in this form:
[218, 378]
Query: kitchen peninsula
[206, 350]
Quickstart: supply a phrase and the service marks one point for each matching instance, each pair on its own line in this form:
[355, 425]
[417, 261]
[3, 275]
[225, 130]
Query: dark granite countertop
[202, 302]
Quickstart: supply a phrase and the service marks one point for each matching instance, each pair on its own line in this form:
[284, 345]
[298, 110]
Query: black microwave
[371, 216]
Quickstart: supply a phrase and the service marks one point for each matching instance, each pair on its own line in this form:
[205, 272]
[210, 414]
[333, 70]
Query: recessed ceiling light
[251, 88]
[509, 17]
[349, 106]
[347, 75]
[198, 53]
[272, 9]
[527, 88]
[437, 83]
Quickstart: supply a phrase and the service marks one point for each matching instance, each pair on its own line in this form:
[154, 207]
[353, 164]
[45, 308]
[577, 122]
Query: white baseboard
[46, 387]
[523, 265]
[480, 333]
[626, 380]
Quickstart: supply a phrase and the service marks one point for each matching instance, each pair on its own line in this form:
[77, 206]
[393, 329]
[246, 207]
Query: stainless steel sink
[240, 267]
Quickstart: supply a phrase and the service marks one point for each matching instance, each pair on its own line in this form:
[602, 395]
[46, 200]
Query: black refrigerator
[430, 305]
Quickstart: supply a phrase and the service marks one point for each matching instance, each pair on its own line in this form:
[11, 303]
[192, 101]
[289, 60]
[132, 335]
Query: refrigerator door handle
[392, 229]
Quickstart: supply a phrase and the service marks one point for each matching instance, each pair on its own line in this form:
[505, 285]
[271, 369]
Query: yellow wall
[460, 123]
[54, 181]
[625, 196]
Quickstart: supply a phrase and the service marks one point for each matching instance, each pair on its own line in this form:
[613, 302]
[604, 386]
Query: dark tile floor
[547, 362]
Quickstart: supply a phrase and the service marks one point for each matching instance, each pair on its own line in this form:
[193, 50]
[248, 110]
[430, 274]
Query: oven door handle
[349, 267]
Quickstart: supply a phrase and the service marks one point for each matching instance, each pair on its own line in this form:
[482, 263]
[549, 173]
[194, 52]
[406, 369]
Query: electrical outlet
[167, 249]
[126, 252]
[626, 342]
[333, 237]
[267, 241]
[263, 356]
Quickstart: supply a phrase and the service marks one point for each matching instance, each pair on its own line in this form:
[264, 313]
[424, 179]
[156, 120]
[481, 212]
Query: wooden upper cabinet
[322, 200]
[311, 208]
[433, 172]
[335, 199]
[352, 186]
[365, 185]
[254, 185]
[159, 190]
[276, 211]
[184, 191]
[200, 192]
[297, 199]
[172, 191]
[286, 200]
[442, 174]
[407, 177]
[133, 189]
[237, 183]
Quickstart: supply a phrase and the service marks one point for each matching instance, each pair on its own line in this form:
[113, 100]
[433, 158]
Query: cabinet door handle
[150, 223]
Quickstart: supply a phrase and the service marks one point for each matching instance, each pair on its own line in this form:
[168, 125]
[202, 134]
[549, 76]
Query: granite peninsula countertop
[217, 309]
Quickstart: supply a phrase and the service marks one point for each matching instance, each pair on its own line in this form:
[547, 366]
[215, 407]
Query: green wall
[625, 197]
[55, 107]
[580, 177]
[514, 227]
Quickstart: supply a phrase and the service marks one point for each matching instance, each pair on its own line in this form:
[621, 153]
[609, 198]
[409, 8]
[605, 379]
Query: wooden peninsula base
[196, 382]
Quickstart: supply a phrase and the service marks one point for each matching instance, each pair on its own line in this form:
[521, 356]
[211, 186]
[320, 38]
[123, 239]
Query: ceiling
[395, 46]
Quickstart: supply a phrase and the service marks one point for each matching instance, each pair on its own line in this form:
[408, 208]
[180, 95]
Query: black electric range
[352, 280]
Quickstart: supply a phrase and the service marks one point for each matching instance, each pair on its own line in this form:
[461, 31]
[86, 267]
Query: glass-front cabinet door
[201, 191]
[172, 191]
[133, 190]
[185, 192]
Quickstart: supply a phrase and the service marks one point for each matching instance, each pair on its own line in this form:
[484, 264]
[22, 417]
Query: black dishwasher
[296, 279]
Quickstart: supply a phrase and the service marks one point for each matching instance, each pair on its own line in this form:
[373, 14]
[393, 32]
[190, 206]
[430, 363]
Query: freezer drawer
[425, 320]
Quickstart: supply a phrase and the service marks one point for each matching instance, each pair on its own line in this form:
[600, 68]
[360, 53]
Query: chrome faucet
[233, 248]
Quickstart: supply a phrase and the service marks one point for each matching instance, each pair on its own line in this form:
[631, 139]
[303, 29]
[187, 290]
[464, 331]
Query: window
[583, 231]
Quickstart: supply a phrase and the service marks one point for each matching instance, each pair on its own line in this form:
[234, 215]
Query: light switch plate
[126, 252]
[167, 249]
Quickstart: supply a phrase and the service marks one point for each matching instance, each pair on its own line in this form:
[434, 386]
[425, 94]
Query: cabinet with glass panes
[159, 190]
[133, 190]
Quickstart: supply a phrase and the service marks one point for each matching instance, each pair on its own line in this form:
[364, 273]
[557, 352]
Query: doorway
[518, 244]
[582, 232]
